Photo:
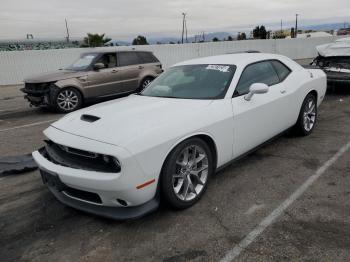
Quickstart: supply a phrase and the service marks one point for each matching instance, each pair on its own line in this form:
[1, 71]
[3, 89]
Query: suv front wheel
[67, 100]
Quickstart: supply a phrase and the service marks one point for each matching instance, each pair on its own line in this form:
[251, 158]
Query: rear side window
[282, 70]
[128, 58]
[261, 72]
[147, 57]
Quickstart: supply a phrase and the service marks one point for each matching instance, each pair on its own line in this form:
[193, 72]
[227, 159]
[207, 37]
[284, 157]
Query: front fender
[72, 82]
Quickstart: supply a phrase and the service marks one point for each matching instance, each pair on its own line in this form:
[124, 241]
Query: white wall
[17, 65]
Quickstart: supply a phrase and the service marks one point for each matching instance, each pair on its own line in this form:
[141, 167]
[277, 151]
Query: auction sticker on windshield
[219, 68]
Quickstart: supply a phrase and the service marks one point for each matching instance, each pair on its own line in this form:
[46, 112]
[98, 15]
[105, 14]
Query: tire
[184, 181]
[144, 83]
[307, 116]
[74, 102]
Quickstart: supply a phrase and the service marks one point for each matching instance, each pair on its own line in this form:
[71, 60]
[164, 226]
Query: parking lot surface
[34, 226]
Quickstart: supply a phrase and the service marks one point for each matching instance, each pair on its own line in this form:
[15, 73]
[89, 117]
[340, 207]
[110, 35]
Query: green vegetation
[259, 32]
[95, 40]
[140, 40]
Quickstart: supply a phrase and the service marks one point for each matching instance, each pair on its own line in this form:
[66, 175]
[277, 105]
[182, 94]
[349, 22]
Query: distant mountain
[190, 39]
[330, 26]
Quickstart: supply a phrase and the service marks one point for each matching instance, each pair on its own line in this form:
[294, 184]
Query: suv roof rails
[247, 51]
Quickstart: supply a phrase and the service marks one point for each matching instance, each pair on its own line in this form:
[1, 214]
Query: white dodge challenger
[119, 158]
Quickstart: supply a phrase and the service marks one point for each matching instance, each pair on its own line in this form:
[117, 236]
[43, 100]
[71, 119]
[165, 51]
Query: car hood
[54, 76]
[122, 121]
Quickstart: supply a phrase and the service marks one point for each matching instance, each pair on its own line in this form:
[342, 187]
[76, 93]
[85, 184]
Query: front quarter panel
[214, 121]
[72, 82]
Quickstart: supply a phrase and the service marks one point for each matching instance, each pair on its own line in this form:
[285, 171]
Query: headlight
[110, 160]
[116, 162]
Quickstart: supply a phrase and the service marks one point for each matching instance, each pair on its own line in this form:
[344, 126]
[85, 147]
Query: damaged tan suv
[94, 76]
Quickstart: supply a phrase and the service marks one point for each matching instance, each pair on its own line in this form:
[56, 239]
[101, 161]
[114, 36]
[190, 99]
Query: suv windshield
[83, 62]
[192, 82]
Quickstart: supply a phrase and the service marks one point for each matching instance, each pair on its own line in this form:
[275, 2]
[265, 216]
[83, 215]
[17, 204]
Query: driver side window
[109, 60]
[261, 72]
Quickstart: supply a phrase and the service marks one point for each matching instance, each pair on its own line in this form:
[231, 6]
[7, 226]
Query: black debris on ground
[17, 164]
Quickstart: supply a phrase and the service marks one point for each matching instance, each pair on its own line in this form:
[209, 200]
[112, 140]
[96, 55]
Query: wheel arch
[145, 77]
[314, 92]
[70, 83]
[207, 138]
[60, 88]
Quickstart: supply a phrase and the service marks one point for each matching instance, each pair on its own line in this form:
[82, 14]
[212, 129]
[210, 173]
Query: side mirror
[256, 88]
[99, 66]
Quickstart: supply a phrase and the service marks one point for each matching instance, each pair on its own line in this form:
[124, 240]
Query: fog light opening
[122, 202]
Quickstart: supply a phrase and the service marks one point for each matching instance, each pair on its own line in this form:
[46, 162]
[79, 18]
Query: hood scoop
[89, 118]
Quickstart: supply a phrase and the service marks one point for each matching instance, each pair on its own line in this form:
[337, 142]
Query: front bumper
[38, 94]
[61, 192]
[109, 187]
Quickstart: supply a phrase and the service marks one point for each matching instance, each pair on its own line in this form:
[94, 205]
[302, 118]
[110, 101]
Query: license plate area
[52, 180]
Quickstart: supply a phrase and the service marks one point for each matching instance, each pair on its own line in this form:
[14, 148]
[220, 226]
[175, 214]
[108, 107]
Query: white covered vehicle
[117, 159]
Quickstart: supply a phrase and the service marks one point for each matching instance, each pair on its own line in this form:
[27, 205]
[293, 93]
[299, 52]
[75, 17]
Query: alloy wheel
[67, 100]
[191, 173]
[309, 115]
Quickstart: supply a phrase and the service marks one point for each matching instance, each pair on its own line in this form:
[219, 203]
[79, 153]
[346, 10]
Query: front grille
[36, 87]
[30, 86]
[79, 159]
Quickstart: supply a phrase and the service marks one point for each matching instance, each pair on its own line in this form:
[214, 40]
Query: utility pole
[183, 27]
[67, 37]
[296, 25]
[186, 30]
[281, 27]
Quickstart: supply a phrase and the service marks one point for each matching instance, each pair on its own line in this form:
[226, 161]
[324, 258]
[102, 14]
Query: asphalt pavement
[242, 215]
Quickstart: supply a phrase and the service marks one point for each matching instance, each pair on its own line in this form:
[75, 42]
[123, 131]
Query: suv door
[103, 82]
[151, 64]
[265, 115]
[129, 69]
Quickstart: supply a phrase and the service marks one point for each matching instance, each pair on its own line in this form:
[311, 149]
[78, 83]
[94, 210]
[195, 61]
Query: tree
[229, 38]
[95, 40]
[140, 40]
[215, 39]
[259, 32]
[241, 36]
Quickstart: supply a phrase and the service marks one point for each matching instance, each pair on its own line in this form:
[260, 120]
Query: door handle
[283, 91]
[140, 67]
[114, 71]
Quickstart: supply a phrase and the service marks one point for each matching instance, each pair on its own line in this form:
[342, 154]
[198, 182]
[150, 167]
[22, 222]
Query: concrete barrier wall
[17, 65]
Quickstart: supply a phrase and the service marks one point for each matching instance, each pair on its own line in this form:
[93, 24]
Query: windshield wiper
[166, 96]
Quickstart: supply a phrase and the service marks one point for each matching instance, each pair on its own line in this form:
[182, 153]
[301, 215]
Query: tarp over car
[340, 47]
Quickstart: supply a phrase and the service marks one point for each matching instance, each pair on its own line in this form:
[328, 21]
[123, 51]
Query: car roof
[239, 59]
[105, 51]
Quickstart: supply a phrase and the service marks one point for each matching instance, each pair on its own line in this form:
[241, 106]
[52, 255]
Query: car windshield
[192, 82]
[83, 62]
